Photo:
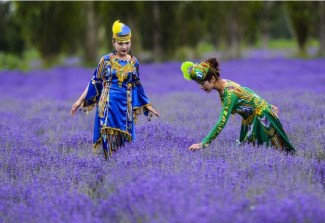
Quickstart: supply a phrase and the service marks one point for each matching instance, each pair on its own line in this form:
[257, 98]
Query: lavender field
[50, 174]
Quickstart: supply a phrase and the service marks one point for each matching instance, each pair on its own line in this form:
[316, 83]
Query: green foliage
[12, 62]
[302, 15]
[10, 42]
[185, 53]
[282, 44]
[194, 53]
[290, 43]
[279, 27]
[165, 29]
[51, 26]
[204, 47]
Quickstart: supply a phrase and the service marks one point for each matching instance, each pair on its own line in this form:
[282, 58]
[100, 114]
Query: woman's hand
[195, 147]
[151, 109]
[275, 109]
[75, 106]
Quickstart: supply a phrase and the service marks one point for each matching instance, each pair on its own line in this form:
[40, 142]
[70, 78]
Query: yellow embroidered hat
[121, 32]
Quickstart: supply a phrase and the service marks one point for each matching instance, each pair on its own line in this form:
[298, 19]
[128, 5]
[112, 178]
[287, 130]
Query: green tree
[192, 23]
[302, 18]
[51, 27]
[10, 40]
[91, 34]
[321, 28]
[126, 12]
[230, 24]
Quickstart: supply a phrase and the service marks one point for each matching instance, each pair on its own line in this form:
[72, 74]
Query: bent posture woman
[260, 123]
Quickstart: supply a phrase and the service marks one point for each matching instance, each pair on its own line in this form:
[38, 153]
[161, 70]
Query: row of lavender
[49, 173]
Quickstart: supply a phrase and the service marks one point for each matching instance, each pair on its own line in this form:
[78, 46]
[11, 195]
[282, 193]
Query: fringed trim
[114, 131]
[96, 144]
[89, 103]
[111, 139]
[88, 108]
[139, 110]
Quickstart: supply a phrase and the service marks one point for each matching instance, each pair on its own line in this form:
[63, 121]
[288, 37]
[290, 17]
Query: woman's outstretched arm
[77, 104]
[228, 104]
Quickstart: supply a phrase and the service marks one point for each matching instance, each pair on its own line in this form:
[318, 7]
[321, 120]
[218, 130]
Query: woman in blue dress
[117, 91]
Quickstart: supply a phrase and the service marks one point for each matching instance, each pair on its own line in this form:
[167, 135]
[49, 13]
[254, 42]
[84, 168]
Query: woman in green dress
[260, 123]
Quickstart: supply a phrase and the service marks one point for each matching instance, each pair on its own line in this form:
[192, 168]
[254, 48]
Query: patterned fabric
[197, 72]
[117, 91]
[260, 125]
[121, 32]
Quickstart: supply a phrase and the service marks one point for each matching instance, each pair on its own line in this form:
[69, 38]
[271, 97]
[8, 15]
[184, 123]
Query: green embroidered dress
[260, 124]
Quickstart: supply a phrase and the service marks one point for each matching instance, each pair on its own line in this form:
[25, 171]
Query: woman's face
[207, 86]
[122, 48]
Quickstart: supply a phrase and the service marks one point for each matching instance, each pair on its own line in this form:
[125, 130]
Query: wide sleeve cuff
[93, 94]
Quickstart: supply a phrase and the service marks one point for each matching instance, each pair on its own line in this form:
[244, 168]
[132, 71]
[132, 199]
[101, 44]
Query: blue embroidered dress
[116, 90]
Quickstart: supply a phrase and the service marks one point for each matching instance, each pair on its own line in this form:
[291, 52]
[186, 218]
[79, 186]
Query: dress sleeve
[95, 86]
[139, 98]
[229, 101]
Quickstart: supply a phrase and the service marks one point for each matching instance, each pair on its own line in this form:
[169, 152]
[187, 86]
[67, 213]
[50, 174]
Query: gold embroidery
[258, 111]
[122, 71]
[243, 94]
[256, 100]
[104, 99]
[222, 122]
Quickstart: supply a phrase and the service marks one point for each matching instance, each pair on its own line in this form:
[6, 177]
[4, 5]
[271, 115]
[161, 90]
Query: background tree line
[162, 30]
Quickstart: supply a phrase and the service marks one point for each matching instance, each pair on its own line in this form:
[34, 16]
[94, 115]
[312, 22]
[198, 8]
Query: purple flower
[49, 172]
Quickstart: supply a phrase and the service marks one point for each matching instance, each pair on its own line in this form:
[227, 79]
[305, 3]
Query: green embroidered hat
[196, 72]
